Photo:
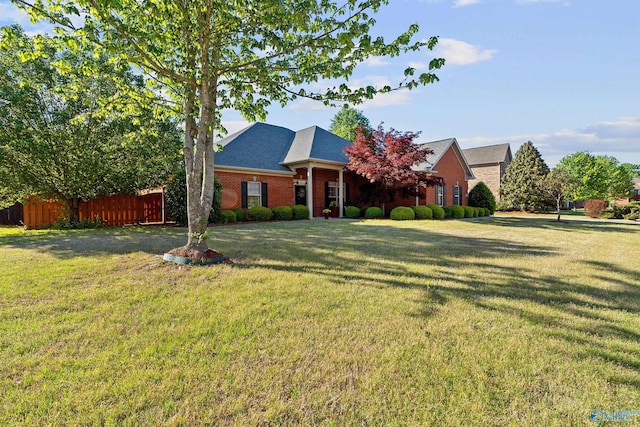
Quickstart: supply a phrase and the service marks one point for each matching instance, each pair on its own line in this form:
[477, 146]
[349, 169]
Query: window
[254, 194]
[331, 193]
[457, 195]
[439, 195]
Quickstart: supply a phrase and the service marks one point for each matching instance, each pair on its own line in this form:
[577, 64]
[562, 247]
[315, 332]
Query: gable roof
[267, 147]
[439, 149]
[490, 154]
[315, 143]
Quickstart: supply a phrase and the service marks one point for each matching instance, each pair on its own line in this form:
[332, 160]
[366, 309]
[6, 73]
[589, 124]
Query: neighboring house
[636, 189]
[266, 165]
[489, 165]
[635, 196]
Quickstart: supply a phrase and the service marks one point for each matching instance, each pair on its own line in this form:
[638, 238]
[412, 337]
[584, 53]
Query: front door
[301, 194]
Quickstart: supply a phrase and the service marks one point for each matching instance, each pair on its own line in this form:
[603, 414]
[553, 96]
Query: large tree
[598, 177]
[521, 186]
[386, 159]
[76, 125]
[346, 122]
[208, 55]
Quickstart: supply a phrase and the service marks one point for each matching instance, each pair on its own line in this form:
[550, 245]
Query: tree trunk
[72, 206]
[558, 203]
[199, 165]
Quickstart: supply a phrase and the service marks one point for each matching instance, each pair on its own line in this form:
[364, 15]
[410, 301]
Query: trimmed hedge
[282, 213]
[259, 213]
[300, 212]
[239, 214]
[352, 212]
[402, 213]
[487, 211]
[423, 212]
[458, 212]
[373, 212]
[468, 211]
[438, 212]
[448, 211]
[477, 211]
[227, 216]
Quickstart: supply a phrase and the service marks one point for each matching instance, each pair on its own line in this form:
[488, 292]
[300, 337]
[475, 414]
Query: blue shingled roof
[259, 146]
[268, 147]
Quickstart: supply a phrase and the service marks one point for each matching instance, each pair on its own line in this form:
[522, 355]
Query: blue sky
[563, 74]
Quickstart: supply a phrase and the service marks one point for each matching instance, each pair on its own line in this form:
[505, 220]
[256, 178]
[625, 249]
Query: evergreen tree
[521, 187]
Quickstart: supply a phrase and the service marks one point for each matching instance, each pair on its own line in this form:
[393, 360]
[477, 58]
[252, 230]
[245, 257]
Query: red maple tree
[387, 159]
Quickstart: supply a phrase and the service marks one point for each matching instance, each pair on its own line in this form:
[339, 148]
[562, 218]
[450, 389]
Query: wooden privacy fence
[116, 210]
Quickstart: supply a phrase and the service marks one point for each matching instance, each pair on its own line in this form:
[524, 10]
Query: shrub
[300, 212]
[448, 212]
[480, 196]
[239, 214]
[634, 213]
[259, 213]
[176, 199]
[65, 223]
[373, 212]
[477, 211]
[423, 212]
[227, 216]
[437, 211]
[282, 213]
[487, 212]
[402, 213]
[608, 213]
[458, 212]
[594, 208]
[352, 212]
[468, 211]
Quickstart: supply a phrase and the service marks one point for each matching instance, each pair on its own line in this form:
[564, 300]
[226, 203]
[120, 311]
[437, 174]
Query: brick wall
[279, 188]
[490, 175]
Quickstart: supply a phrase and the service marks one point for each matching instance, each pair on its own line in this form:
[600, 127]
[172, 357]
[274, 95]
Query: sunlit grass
[501, 321]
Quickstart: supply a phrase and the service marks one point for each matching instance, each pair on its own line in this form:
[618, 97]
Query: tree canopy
[209, 55]
[557, 185]
[598, 177]
[76, 125]
[346, 122]
[521, 186]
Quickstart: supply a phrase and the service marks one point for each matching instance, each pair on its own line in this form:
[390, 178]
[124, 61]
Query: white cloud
[458, 52]
[618, 138]
[376, 61]
[462, 3]
[418, 65]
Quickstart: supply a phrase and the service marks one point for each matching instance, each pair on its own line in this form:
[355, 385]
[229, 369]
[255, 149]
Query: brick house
[489, 165]
[266, 165]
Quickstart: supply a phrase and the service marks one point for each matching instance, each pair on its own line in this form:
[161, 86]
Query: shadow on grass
[442, 266]
[568, 224]
[446, 267]
[66, 244]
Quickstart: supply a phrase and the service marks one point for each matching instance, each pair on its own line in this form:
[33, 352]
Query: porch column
[310, 190]
[340, 193]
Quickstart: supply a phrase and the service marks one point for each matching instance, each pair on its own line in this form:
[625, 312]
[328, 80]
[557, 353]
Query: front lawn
[496, 321]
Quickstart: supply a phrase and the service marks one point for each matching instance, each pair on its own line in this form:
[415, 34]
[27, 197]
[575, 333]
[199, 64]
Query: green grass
[497, 321]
